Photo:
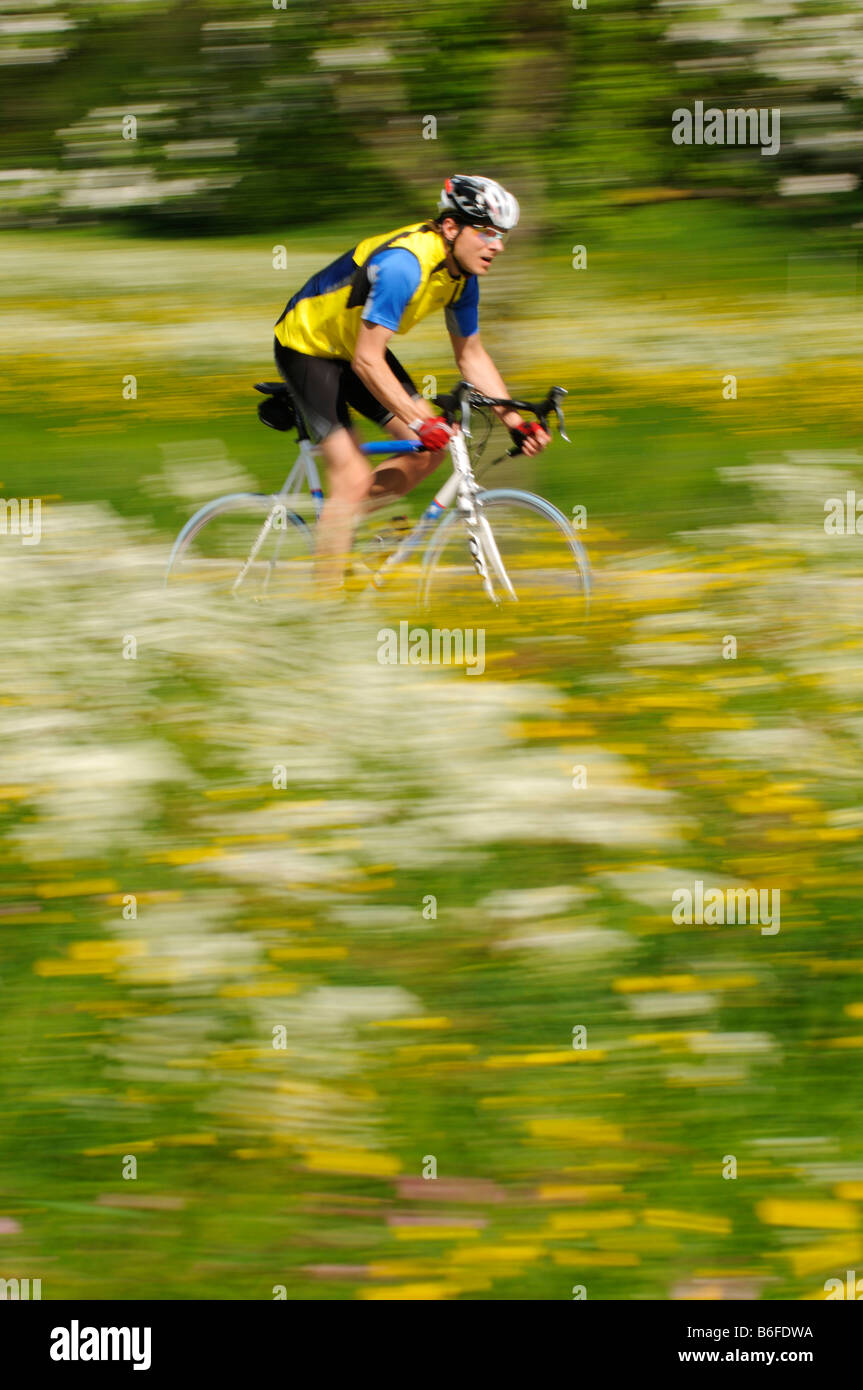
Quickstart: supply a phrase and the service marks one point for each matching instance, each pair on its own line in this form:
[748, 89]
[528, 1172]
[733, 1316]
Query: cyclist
[331, 349]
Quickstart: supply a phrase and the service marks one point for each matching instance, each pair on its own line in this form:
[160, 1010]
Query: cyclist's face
[477, 248]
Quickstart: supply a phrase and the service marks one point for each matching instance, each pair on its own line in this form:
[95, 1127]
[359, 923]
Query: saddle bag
[278, 412]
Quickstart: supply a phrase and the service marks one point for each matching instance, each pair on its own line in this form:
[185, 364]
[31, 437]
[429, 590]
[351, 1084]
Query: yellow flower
[838, 1216]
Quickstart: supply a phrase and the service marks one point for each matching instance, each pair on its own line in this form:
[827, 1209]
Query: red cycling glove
[521, 433]
[434, 434]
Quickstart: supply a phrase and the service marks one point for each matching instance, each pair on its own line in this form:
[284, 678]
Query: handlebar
[465, 395]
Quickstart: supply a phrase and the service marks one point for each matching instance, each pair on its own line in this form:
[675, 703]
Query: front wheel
[246, 545]
[532, 553]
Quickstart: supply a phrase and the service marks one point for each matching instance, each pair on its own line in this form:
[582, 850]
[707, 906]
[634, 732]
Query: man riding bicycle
[331, 349]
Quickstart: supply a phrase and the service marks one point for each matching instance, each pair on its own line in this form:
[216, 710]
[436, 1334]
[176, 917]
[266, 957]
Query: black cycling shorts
[324, 387]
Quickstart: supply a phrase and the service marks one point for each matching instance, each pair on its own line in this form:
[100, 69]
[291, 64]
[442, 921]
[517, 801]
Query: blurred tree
[252, 116]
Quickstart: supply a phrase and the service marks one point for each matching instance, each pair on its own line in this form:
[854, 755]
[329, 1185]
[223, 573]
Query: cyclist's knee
[348, 473]
[349, 485]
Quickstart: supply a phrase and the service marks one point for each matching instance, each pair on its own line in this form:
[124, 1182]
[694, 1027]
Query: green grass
[409, 1036]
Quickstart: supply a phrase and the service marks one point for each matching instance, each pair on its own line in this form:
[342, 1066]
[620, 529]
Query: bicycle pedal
[387, 540]
[357, 577]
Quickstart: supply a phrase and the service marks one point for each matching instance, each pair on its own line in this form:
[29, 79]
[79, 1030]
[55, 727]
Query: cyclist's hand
[530, 439]
[435, 433]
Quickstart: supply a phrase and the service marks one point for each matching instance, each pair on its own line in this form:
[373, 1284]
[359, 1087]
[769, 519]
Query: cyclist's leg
[348, 476]
[396, 476]
[317, 384]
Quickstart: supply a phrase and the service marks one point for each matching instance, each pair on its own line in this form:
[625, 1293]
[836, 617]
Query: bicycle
[520, 546]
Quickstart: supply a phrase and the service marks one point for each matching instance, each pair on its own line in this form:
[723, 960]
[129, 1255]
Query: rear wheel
[246, 546]
[534, 557]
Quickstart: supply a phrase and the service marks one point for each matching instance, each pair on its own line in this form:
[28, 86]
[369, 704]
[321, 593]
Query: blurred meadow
[285, 924]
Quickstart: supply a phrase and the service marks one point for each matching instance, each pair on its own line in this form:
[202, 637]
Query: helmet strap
[450, 246]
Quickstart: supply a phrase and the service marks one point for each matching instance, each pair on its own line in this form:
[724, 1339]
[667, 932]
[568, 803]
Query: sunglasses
[490, 234]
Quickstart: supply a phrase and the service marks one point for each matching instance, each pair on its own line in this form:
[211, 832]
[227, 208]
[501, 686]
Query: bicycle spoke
[531, 552]
[246, 550]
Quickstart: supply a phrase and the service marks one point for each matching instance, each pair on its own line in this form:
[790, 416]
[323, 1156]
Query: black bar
[255, 1338]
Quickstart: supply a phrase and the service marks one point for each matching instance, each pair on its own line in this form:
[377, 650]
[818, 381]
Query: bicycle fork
[462, 488]
[480, 540]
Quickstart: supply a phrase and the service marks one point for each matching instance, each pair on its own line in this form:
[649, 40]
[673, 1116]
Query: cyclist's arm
[474, 363]
[476, 366]
[395, 275]
[370, 364]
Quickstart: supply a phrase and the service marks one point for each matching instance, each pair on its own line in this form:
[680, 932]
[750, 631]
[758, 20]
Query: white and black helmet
[478, 200]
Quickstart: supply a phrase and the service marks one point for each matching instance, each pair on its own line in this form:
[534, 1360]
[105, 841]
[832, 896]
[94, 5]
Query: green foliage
[251, 116]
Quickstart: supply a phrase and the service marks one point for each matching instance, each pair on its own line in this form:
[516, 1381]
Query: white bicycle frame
[461, 487]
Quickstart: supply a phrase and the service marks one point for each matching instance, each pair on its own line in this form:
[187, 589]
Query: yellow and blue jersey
[394, 280]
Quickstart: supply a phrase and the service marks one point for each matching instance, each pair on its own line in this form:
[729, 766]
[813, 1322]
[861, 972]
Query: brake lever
[555, 393]
[457, 400]
[448, 404]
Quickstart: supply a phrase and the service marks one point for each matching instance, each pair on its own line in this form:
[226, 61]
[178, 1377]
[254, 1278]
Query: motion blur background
[422, 901]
